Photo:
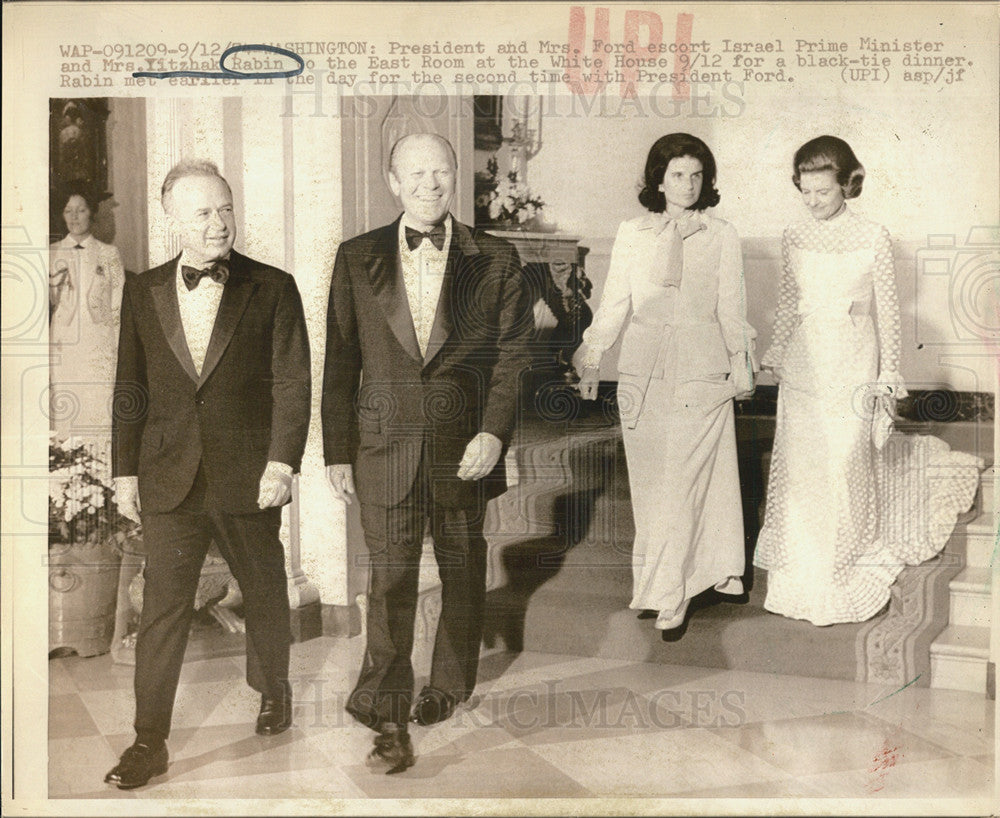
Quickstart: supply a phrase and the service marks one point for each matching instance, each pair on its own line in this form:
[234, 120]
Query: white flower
[73, 507]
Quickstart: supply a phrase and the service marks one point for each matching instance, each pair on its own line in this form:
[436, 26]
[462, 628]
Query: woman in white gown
[848, 502]
[85, 292]
[686, 352]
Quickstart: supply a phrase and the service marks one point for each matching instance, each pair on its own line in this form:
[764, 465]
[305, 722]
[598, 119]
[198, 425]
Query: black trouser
[176, 543]
[394, 536]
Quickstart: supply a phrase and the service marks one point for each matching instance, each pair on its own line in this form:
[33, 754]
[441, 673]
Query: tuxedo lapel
[235, 297]
[443, 315]
[462, 246]
[387, 285]
[164, 293]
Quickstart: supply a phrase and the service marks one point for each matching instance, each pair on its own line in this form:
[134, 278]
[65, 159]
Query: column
[313, 231]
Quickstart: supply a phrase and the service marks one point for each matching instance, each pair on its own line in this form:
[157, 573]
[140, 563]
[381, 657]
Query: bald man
[428, 327]
[212, 401]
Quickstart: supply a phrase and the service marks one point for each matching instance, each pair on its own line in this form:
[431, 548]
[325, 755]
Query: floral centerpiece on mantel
[86, 536]
[507, 201]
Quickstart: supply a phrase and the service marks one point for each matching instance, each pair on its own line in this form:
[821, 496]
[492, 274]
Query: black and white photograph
[522, 408]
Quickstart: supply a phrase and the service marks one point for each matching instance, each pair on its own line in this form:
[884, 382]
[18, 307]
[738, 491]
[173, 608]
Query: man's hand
[127, 497]
[275, 485]
[480, 456]
[341, 477]
[588, 382]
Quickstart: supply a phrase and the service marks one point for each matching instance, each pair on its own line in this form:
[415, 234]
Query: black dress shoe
[369, 718]
[646, 613]
[138, 764]
[393, 751]
[275, 715]
[433, 706]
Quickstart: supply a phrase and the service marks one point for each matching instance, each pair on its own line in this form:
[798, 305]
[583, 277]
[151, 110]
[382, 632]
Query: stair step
[988, 487]
[560, 570]
[959, 657]
[964, 642]
[982, 543]
[972, 580]
[969, 603]
[589, 616]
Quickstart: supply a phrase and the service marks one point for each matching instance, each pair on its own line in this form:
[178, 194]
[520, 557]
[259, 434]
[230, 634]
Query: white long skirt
[685, 486]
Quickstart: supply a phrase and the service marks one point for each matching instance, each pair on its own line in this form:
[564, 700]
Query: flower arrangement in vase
[506, 201]
[85, 537]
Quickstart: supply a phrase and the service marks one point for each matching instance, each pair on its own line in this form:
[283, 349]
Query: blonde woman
[848, 502]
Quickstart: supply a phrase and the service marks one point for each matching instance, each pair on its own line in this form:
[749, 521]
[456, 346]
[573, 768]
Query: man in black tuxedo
[428, 327]
[210, 422]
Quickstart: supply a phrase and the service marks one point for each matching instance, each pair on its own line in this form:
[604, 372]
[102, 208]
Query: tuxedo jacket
[249, 405]
[384, 404]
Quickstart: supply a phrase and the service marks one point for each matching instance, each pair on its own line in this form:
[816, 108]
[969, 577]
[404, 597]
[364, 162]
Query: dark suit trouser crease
[394, 535]
[176, 543]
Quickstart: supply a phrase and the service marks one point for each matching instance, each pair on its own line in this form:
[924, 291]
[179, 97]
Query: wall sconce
[523, 131]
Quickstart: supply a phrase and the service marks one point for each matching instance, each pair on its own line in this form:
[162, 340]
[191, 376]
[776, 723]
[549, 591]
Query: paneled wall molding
[370, 127]
[259, 153]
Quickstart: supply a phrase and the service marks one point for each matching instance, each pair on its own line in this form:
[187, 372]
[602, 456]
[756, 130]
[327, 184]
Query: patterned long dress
[843, 516]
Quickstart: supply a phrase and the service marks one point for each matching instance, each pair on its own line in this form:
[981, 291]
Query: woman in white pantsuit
[686, 353]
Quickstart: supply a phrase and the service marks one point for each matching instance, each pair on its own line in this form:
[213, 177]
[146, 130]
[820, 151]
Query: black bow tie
[218, 272]
[435, 234]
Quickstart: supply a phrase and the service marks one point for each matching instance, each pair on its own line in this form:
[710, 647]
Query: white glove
[481, 455]
[341, 477]
[882, 420]
[742, 372]
[890, 384]
[127, 497]
[589, 382]
[275, 485]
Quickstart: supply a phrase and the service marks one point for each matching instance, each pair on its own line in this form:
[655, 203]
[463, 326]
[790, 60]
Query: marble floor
[540, 725]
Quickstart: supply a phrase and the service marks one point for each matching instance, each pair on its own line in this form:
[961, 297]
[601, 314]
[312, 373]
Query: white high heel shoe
[666, 621]
[730, 585]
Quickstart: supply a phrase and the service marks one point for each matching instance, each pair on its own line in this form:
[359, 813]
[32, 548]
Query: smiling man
[427, 338]
[210, 420]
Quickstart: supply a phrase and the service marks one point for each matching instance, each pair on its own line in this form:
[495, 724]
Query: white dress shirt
[198, 310]
[423, 275]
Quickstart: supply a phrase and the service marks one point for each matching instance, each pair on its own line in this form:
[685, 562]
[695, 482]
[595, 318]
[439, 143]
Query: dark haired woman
[686, 352]
[85, 292]
[847, 504]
